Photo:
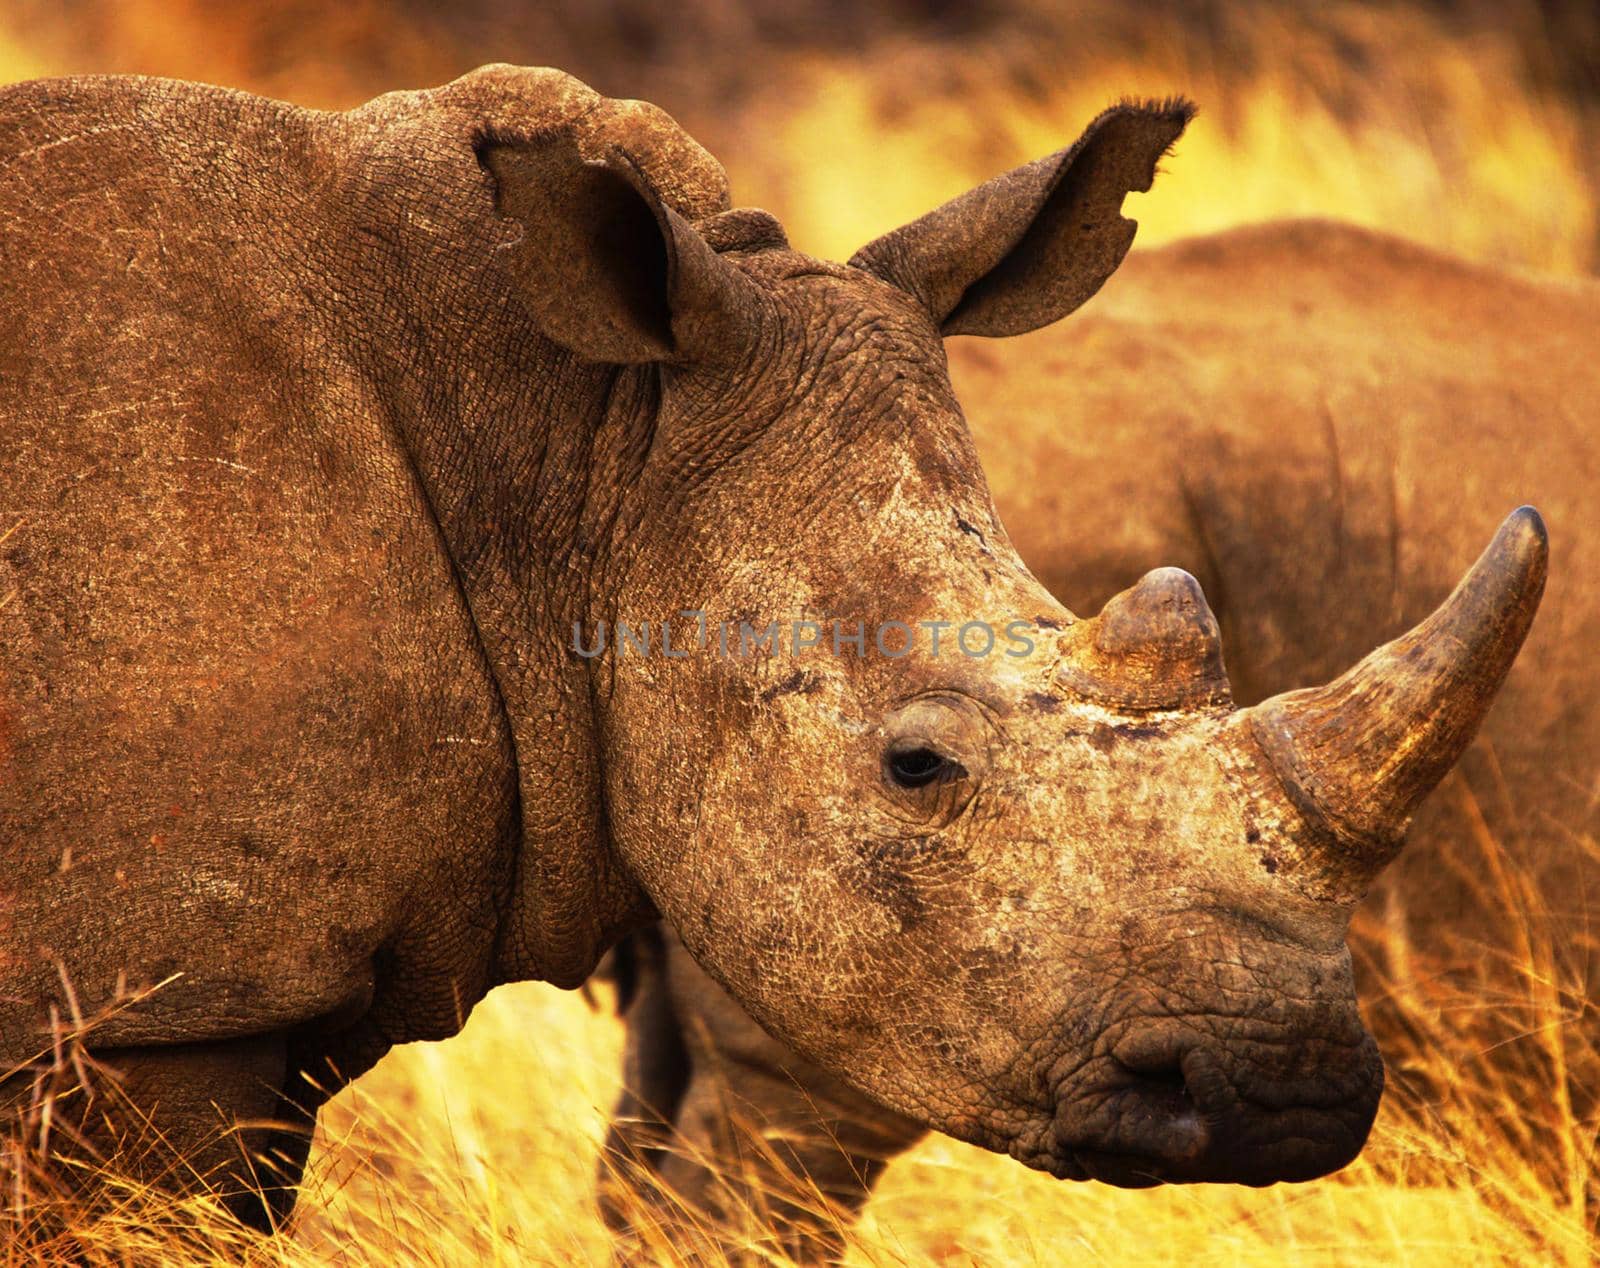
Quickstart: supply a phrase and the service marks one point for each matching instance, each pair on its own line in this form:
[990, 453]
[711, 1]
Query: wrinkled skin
[1384, 380]
[322, 431]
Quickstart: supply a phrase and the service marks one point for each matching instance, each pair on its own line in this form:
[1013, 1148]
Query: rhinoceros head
[1041, 886]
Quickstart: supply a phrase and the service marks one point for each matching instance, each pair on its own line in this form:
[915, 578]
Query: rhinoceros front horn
[1359, 754]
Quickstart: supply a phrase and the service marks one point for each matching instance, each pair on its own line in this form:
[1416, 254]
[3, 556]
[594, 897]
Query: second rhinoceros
[329, 439]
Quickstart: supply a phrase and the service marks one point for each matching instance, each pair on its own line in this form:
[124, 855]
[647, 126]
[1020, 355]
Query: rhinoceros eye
[919, 767]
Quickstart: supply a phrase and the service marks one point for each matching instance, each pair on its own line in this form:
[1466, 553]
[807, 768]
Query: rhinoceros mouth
[1299, 1147]
[1134, 1138]
[1208, 1116]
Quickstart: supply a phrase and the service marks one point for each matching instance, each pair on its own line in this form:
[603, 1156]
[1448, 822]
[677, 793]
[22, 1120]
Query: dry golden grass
[483, 1150]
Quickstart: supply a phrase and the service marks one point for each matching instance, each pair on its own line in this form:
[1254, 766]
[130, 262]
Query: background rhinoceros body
[1290, 412]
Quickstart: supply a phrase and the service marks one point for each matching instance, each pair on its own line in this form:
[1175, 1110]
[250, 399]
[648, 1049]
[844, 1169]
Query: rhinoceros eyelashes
[919, 767]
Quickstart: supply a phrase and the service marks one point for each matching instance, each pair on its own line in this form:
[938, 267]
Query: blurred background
[1471, 124]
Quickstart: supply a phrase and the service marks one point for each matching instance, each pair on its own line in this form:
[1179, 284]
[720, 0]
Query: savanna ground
[1473, 126]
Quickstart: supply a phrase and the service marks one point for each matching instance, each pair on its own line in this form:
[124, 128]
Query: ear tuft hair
[1028, 247]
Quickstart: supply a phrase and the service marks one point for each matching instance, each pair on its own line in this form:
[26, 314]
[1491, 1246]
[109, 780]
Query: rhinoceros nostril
[1154, 1055]
[1157, 1101]
[1165, 1074]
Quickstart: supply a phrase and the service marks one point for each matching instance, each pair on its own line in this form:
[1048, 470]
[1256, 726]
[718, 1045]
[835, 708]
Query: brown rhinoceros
[334, 445]
[1289, 411]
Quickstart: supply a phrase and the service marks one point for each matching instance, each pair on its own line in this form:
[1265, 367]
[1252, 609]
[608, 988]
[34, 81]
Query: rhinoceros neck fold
[502, 429]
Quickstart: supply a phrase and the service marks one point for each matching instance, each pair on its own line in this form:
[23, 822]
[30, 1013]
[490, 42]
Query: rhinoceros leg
[656, 1067]
[721, 1130]
[183, 1118]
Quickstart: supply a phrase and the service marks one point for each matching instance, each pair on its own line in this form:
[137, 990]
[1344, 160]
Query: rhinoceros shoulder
[113, 125]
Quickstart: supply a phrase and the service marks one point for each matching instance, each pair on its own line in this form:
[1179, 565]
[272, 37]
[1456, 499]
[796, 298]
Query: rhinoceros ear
[609, 270]
[1028, 247]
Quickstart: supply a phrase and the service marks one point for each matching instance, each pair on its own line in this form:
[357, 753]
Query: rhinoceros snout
[1175, 1105]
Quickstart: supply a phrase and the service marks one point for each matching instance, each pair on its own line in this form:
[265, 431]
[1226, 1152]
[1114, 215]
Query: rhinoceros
[1289, 411]
[372, 482]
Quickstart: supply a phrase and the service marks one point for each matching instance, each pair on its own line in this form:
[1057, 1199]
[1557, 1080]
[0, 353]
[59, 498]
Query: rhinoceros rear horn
[1028, 247]
[1360, 754]
[606, 267]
